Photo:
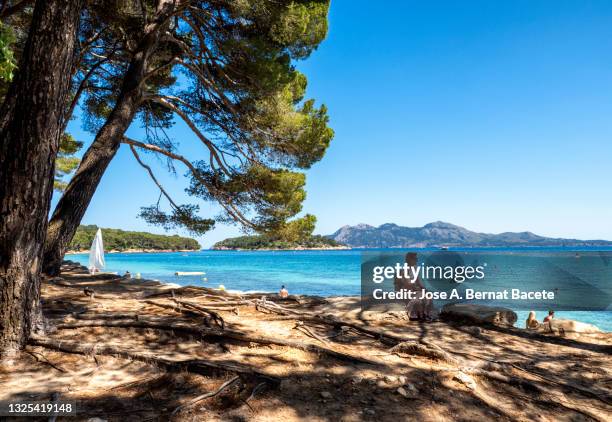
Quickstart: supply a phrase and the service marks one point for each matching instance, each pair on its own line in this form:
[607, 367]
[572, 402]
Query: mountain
[439, 234]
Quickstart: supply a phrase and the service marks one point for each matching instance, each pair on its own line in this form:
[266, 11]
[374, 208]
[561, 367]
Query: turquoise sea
[324, 273]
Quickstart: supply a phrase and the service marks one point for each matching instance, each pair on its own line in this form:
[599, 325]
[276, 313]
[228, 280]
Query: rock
[96, 420]
[475, 331]
[478, 314]
[562, 326]
[465, 379]
[402, 379]
[357, 379]
[412, 388]
[390, 379]
[326, 394]
[404, 392]
[369, 411]
[381, 384]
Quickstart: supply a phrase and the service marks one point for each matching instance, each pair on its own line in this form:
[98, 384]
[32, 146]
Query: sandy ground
[493, 374]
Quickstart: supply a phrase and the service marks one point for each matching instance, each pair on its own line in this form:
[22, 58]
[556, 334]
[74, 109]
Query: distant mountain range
[440, 234]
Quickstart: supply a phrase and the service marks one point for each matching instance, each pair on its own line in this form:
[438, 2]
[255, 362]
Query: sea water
[322, 273]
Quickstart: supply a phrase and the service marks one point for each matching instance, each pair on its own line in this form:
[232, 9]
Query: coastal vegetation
[121, 240]
[268, 242]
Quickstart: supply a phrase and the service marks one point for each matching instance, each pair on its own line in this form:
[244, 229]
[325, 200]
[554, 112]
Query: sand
[492, 373]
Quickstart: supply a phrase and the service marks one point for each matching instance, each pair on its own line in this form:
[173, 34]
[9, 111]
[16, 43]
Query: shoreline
[331, 248]
[115, 251]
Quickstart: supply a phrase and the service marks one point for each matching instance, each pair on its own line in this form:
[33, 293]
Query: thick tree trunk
[30, 122]
[79, 192]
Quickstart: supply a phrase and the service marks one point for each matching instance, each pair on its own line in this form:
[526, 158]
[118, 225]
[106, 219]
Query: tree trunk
[79, 192]
[30, 122]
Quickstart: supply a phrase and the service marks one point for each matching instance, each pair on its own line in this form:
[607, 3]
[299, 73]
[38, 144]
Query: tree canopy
[226, 69]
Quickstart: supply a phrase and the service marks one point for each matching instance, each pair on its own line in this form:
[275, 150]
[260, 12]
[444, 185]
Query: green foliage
[298, 230]
[240, 90]
[7, 58]
[181, 216]
[115, 239]
[66, 162]
[266, 242]
[227, 66]
[296, 234]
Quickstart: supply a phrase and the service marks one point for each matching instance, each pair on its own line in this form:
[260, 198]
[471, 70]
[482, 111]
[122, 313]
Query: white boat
[179, 273]
[96, 254]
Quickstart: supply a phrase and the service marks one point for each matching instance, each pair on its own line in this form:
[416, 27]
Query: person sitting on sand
[551, 315]
[531, 322]
[417, 309]
[284, 293]
[127, 275]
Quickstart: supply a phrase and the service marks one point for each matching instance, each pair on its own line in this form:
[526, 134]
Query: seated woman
[417, 309]
[532, 322]
[284, 293]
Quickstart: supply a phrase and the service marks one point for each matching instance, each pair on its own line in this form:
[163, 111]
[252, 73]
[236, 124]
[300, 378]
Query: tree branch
[161, 188]
[222, 198]
[211, 147]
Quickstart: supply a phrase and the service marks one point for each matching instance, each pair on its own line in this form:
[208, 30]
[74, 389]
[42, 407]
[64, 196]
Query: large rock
[478, 314]
[562, 326]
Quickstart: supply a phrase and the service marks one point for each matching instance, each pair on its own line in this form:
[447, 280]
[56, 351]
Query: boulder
[562, 326]
[478, 314]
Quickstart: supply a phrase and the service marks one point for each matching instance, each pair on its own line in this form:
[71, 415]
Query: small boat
[180, 273]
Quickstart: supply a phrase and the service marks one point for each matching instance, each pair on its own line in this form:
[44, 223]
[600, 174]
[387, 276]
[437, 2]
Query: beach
[140, 348]
[320, 273]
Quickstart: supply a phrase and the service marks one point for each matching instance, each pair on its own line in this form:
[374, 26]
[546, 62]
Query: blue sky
[496, 116]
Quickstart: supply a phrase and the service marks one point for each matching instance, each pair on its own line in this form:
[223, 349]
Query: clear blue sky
[493, 115]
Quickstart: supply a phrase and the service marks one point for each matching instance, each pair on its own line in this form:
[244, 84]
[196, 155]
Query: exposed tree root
[299, 325]
[197, 311]
[193, 365]
[535, 389]
[603, 397]
[44, 360]
[427, 350]
[207, 395]
[192, 306]
[204, 331]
